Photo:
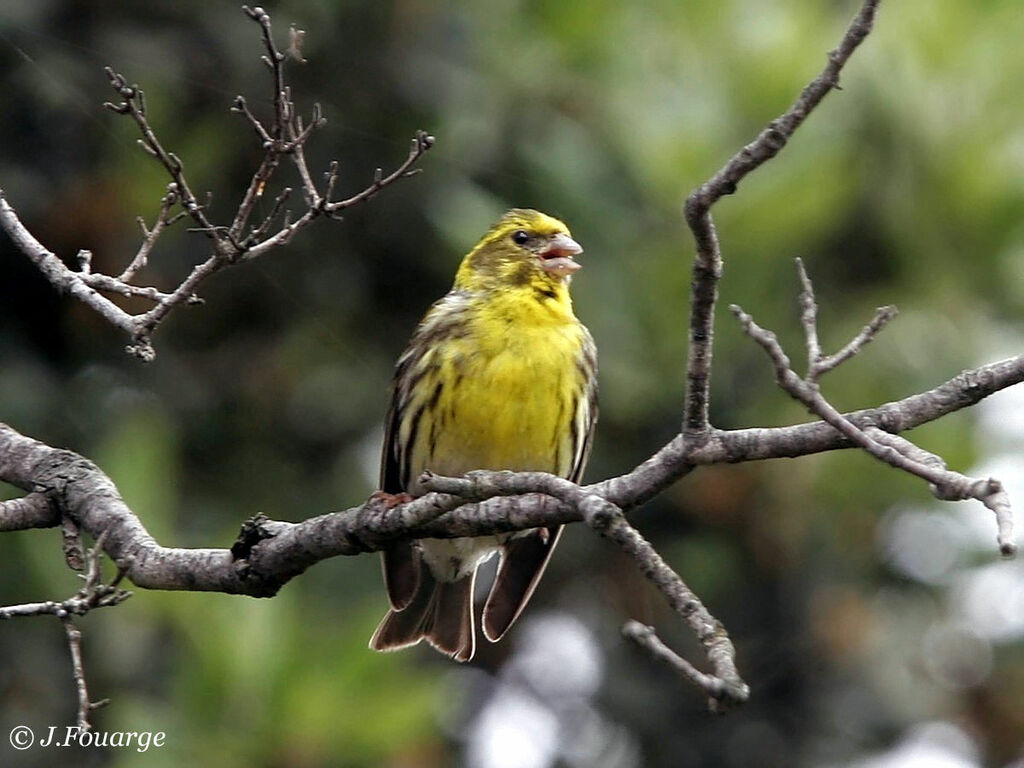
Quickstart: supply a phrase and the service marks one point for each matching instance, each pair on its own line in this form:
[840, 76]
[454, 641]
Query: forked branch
[895, 451]
[707, 265]
[93, 594]
[725, 688]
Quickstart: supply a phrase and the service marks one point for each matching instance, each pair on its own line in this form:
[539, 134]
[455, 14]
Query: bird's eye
[520, 236]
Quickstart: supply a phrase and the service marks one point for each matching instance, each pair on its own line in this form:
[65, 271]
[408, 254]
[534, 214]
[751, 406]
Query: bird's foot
[390, 500]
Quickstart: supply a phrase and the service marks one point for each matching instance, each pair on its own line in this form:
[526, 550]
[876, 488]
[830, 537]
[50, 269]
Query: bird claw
[390, 500]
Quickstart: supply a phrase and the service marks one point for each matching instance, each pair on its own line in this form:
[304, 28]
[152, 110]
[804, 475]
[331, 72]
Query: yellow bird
[499, 374]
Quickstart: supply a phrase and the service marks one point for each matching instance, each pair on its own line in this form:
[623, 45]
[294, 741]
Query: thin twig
[257, 184]
[109, 284]
[720, 697]
[310, 193]
[149, 236]
[133, 105]
[809, 318]
[957, 487]
[725, 688]
[298, 134]
[883, 315]
[85, 705]
[93, 594]
[260, 232]
[242, 107]
[817, 363]
[421, 143]
[274, 60]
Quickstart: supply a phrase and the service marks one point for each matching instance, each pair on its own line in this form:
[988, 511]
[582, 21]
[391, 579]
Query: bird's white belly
[452, 559]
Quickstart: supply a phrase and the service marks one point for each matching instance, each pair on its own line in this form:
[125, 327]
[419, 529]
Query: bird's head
[525, 247]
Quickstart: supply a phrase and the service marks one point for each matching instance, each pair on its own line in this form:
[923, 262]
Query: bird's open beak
[557, 257]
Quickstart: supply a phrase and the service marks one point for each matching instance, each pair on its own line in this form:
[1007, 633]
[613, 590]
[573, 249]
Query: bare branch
[109, 284]
[898, 452]
[149, 236]
[274, 139]
[707, 266]
[278, 551]
[259, 232]
[93, 594]
[34, 510]
[134, 106]
[310, 193]
[270, 553]
[242, 107]
[817, 363]
[757, 443]
[954, 486]
[79, 605]
[720, 697]
[257, 185]
[881, 319]
[421, 142]
[285, 135]
[85, 706]
[58, 274]
[275, 60]
[725, 688]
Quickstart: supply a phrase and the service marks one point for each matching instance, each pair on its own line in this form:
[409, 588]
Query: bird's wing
[401, 562]
[390, 469]
[585, 419]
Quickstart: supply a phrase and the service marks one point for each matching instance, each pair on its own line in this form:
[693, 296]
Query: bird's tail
[440, 612]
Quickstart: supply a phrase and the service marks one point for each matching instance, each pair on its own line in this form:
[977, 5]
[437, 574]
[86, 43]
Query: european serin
[499, 374]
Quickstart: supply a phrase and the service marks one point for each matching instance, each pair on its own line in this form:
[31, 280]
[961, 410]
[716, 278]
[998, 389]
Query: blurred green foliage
[906, 187]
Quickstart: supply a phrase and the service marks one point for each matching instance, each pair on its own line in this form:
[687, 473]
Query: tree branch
[34, 510]
[93, 594]
[270, 553]
[817, 363]
[725, 687]
[707, 265]
[54, 270]
[231, 243]
[282, 550]
[149, 236]
[894, 451]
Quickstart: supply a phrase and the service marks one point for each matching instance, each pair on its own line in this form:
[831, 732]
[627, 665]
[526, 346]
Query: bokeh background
[877, 628]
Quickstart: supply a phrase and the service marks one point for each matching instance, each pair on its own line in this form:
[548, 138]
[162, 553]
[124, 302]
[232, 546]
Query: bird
[499, 374]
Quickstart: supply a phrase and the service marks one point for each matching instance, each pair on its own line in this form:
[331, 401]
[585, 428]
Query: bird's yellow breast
[512, 384]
